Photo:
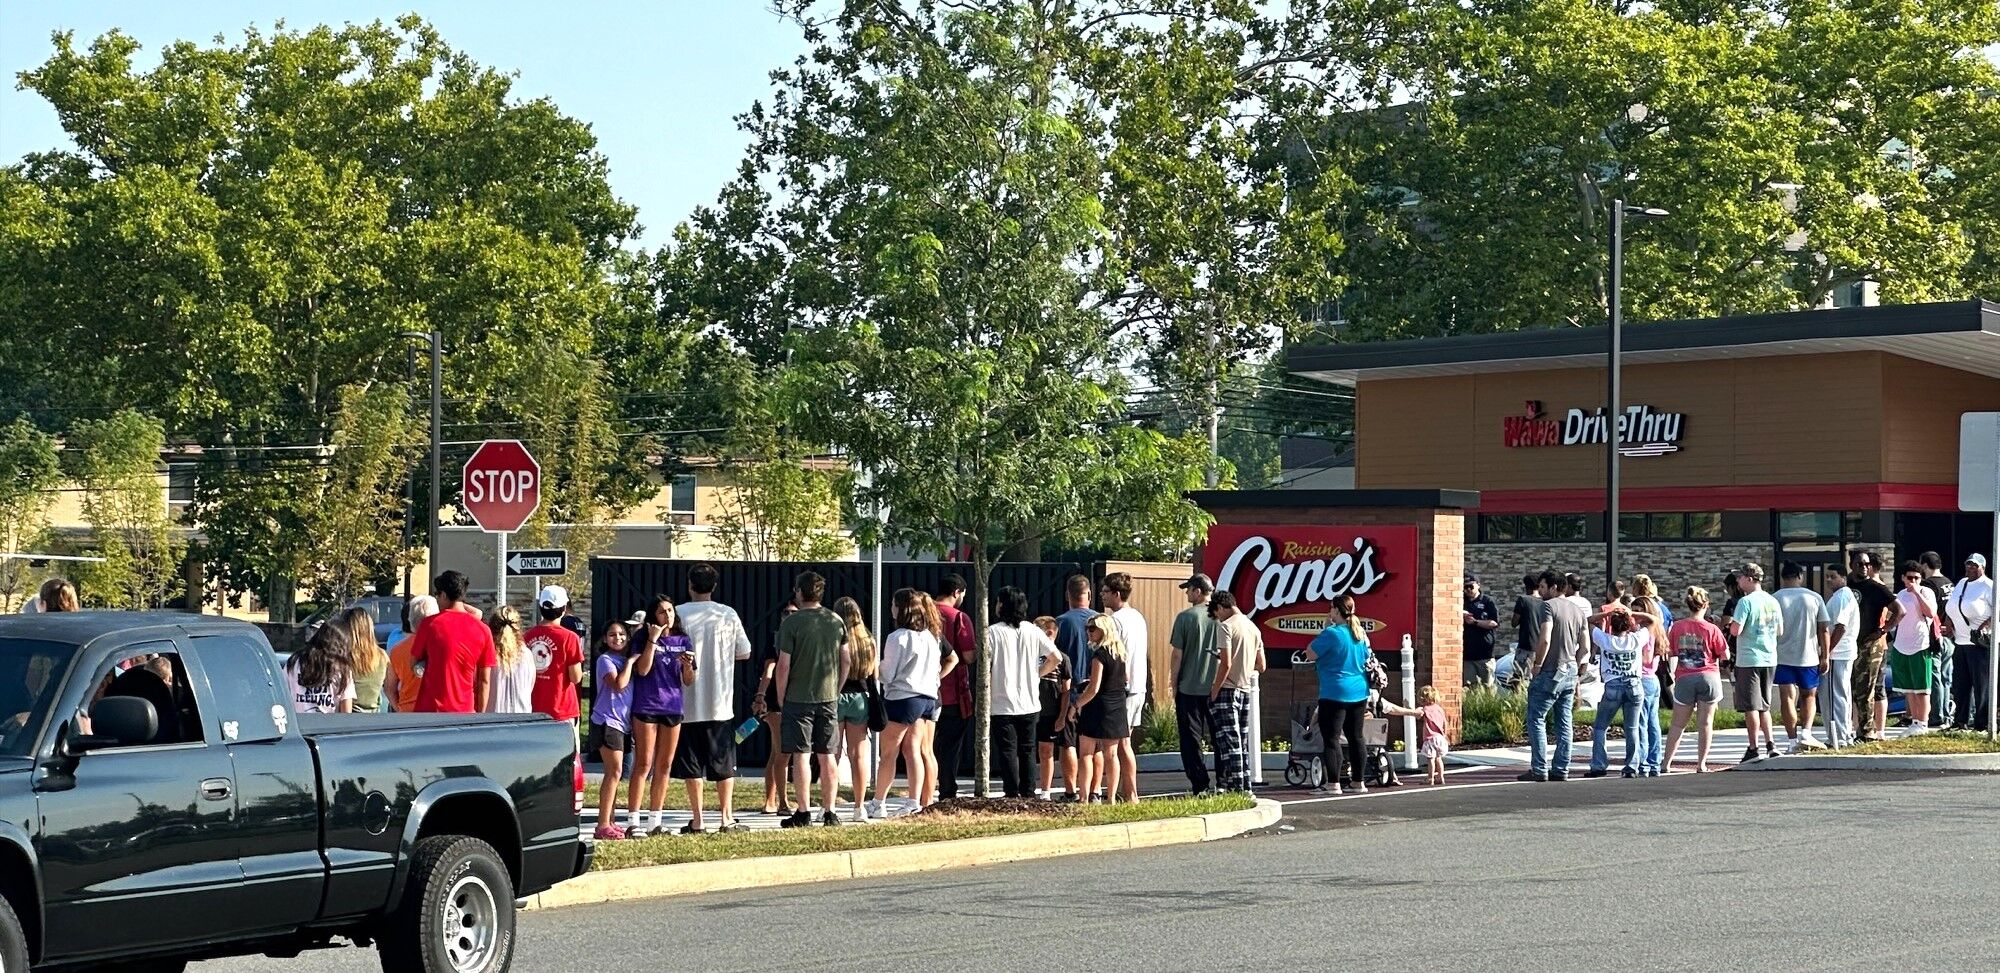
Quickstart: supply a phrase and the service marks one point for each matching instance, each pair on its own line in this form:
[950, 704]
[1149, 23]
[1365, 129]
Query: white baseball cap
[554, 596]
[1979, 559]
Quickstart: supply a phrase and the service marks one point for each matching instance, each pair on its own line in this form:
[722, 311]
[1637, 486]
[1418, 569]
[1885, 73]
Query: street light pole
[436, 340]
[1615, 286]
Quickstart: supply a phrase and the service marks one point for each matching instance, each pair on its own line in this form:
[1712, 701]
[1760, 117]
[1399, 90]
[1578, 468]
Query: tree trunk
[982, 672]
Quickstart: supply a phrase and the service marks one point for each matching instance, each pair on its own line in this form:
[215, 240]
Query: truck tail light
[577, 762]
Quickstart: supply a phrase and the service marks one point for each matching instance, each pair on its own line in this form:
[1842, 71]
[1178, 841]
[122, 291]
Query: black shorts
[708, 749]
[1046, 732]
[658, 719]
[809, 727]
[606, 737]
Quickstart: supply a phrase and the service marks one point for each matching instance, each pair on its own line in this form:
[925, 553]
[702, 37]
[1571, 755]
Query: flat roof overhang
[1964, 335]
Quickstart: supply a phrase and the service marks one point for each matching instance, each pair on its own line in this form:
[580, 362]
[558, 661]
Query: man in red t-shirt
[558, 656]
[954, 727]
[455, 650]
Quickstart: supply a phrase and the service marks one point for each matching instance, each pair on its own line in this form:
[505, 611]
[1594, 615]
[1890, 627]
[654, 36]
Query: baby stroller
[1307, 764]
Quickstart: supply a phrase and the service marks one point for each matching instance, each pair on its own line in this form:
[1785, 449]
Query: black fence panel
[758, 590]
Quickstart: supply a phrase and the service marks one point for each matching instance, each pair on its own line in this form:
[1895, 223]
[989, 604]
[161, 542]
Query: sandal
[690, 828]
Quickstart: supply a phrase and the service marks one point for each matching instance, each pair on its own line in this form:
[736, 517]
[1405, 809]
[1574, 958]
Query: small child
[1435, 744]
[610, 723]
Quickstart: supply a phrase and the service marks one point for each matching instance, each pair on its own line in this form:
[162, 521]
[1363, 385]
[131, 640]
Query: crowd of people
[1827, 665]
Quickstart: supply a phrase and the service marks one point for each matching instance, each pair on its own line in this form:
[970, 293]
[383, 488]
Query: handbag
[878, 708]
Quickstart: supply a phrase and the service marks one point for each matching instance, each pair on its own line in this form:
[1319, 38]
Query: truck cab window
[161, 679]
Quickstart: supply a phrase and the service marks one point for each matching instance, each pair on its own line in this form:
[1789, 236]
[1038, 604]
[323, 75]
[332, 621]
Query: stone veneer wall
[1672, 566]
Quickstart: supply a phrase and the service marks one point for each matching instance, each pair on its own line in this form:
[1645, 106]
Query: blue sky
[660, 82]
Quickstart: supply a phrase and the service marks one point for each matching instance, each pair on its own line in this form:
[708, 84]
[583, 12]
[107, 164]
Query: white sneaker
[874, 810]
[859, 815]
[1811, 743]
[1360, 789]
[1916, 730]
[1796, 749]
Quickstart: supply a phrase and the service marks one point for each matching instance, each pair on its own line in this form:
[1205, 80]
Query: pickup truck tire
[13, 942]
[457, 913]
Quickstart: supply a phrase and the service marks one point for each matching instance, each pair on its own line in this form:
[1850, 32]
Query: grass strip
[1927, 744]
[668, 850]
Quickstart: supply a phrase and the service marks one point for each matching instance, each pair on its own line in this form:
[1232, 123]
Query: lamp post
[1612, 406]
[436, 341]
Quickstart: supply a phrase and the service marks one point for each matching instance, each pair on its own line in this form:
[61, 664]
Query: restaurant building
[1775, 437]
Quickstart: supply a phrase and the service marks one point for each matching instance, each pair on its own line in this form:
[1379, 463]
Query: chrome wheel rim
[471, 924]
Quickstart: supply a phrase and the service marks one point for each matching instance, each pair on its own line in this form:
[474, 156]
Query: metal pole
[500, 575]
[1611, 405]
[410, 502]
[437, 445]
[1993, 649]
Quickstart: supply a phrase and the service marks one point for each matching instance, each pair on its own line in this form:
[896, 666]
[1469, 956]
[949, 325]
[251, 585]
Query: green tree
[353, 536]
[243, 231]
[1800, 148]
[30, 476]
[950, 271]
[116, 462]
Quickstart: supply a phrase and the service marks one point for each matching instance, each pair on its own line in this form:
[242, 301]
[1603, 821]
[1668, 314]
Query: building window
[680, 500]
[1506, 528]
[1820, 526]
[1670, 527]
[180, 487]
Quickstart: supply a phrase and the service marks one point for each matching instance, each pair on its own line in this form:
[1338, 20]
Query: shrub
[1513, 727]
[1160, 732]
[1481, 732]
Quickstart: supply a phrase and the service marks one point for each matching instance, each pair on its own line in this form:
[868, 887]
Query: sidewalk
[1726, 750]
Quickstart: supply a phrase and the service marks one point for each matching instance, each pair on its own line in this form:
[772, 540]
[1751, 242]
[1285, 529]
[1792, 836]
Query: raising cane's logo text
[1285, 578]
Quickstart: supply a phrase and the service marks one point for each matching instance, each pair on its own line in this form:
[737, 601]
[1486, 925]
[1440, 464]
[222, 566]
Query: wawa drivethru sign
[1286, 577]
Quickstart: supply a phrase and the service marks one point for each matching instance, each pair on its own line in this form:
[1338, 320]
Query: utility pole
[1214, 411]
[1612, 439]
[431, 534]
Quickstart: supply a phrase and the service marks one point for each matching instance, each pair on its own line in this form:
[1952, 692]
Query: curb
[693, 878]
[1985, 763]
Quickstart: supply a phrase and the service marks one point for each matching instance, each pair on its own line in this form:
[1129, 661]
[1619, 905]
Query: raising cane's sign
[1286, 577]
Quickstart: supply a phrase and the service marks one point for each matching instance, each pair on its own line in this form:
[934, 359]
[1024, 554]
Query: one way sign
[536, 563]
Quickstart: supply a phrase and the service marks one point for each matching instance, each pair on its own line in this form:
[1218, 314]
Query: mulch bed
[1007, 806]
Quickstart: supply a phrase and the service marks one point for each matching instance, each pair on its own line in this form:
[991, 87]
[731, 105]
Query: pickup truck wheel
[13, 942]
[457, 913]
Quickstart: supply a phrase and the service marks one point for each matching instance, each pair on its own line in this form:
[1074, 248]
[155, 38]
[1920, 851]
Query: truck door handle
[216, 789]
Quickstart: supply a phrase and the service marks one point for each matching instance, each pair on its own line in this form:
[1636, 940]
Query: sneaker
[829, 819]
[1770, 749]
[1796, 749]
[1559, 777]
[1749, 755]
[1359, 788]
[1629, 773]
[1594, 773]
[1327, 790]
[798, 819]
[874, 810]
[1917, 731]
[1532, 776]
[860, 813]
[609, 832]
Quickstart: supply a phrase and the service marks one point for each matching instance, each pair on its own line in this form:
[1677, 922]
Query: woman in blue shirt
[1340, 653]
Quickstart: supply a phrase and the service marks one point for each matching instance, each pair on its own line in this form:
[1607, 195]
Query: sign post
[1979, 490]
[503, 487]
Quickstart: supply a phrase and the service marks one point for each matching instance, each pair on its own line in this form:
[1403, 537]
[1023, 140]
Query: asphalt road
[1738, 870]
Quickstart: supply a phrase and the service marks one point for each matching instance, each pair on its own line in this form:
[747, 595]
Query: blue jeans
[1649, 721]
[1545, 696]
[1622, 694]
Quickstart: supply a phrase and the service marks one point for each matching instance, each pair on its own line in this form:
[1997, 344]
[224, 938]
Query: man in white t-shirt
[1837, 689]
[707, 749]
[1116, 591]
[1970, 608]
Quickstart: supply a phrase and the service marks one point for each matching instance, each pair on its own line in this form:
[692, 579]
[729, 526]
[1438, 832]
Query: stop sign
[503, 486]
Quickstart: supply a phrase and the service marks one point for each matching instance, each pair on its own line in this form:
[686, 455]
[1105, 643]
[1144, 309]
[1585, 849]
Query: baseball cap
[1979, 559]
[1200, 582]
[553, 596]
[1472, 579]
[638, 618]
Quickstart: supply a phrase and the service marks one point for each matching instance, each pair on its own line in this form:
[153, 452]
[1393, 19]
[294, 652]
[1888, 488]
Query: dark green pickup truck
[160, 802]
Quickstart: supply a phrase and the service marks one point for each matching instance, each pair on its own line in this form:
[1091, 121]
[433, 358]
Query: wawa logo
[1641, 430]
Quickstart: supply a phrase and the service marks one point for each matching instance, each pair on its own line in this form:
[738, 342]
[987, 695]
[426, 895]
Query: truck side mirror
[118, 721]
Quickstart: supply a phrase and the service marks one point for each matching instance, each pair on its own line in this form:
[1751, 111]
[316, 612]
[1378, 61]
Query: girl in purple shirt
[610, 721]
[661, 665]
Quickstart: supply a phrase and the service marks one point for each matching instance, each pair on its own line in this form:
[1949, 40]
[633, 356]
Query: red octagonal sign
[503, 486]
